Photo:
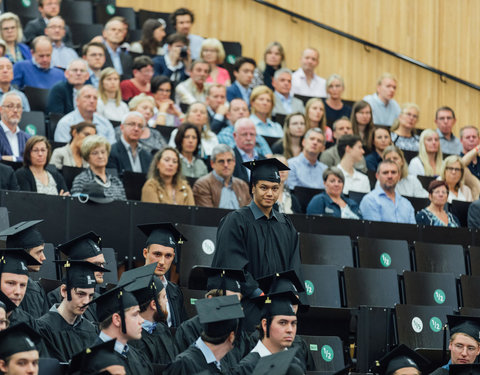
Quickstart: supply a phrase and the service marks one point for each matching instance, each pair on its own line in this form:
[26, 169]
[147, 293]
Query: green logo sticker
[110, 8]
[192, 301]
[435, 324]
[309, 288]
[314, 347]
[231, 59]
[385, 260]
[31, 129]
[327, 353]
[439, 296]
[26, 3]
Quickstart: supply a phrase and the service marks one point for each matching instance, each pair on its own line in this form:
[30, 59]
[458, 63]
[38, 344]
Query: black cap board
[16, 261]
[467, 369]
[281, 282]
[164, 234]
[79, 274]
[7, 303]
[208, 278]
[16, 339]
[265, 169]
[93, 359]
[23, 235]
[400, 357]
[277, 304]
[469, 325]
[281, 363]
[135, 273]
[85, 246]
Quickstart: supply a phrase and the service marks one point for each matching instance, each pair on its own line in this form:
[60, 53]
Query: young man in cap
[220, 318]
[464, 341]
[402, 360]
[97, 359]
[160, 247]
[64, 326]
[257, 237]
[25, 235]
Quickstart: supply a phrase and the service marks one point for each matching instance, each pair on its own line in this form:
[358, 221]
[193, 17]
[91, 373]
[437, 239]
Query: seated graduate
[98, 359]
[85, 247]
[25, 235]
[281, 363]
[64, 326]
[402, 360]
[220, 318]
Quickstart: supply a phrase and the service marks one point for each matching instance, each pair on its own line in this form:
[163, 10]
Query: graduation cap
[87, 245]
[79, 274]
[281, 363]
[208, 278]
[266, 169]
[400, 357]
[466, 369]
[164, 234]
[23, 235]
[468, 325]
[16, 261]
[6, 303]
[16, 339]
[281, 282]
[93, 359]
[219, 316]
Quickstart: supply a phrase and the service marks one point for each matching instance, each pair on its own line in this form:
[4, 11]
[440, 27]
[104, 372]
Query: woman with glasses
[213, 53]
[403, 129]
[452, 172]
[435, 214]
[11, 32]
[168, 113]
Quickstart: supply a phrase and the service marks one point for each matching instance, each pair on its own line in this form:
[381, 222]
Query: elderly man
[86, 111]
[385, 109]
[445, 121]
[61, 55]
[285, 102]
[113, 35]
[12, 139]
[61, 97]
[195, 88]
[37, 72]
[94, 54]
[384, 203]
[220, 188]
[469, 136]
[216, 107]
[304, 81]
[128, 154]
[6, 77]
[182, 20]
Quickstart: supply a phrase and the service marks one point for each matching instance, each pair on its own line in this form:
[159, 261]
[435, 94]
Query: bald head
[42, 51]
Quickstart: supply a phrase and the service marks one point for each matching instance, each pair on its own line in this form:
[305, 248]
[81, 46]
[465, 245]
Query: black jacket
[119, 158]
[26, 181]
[60, 98]
[8, 180]
[37, 27]
[127, 64]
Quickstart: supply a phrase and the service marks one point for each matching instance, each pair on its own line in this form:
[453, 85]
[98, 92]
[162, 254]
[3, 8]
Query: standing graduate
[258, 238]
[26, 236]
[160, 247]
[64, 326]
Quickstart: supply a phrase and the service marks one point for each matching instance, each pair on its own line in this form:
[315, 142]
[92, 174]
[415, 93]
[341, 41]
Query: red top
[129, 90]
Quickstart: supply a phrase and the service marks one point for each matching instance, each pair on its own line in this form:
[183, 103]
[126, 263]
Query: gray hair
[243, 121]
[85, 64]
[335, 171]
[80, 92]
[132, 113]
[333, 77]
[221, 149]
[314, 130]
[7, 95]
[281, 71]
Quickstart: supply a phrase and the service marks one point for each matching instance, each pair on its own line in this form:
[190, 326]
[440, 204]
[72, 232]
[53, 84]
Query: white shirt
[357, 182]
[169, 318]
[261, 349]
[300, 85]
[12, 139]
[207, 143]
[416, 167]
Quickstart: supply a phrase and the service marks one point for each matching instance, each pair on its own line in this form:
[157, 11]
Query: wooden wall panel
[438, 32]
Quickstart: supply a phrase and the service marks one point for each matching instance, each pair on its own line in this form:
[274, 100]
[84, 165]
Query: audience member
[287, 203]
[212, 52]
[351, 152]
[36, 27]
[335, 108]
[474, 215]
[362, 123]
[153, 32]
[61, 54]
[379, 140]
[165, 183]
[385, 109]
[445, 121]
[187, 141]
[403, 129]
[11, 33]
[168, 113]
[305, 169]
[95, 151]
[6, 77]
[262, 101]
[174, 63]
[140, 83]
[408, 185]
[195, 88]
[87, 98]
[8, 181]
[469, 136]
[37, 72]
[304, 81]
[217, 107]
[182, 20]
[243, 72]
[3, 48]
[62, 95]
[12, 138]
[285, 102]
[128, 154]
[110, 104]
[220, 188]
[36, 175]
[315, 117]
[114, 34]
[453, 173]
[94, 54]
[70, 155]
[435, 214]
[429, 159]
[333, 202]
[293, 131]
[384, 203]
[273, 59]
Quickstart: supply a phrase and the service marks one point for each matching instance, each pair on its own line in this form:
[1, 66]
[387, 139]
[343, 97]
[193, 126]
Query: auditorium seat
[470, 286]
[327, 352]
[103, 12]
[4, 221]
[425, 180]
[19, 7]
[53, 119]
[474, 255]
[82, 35]
[37, 98]
[384, 253]
[190, 296]
[111, 265]
[305, 195]
[322, 285]
[432, 289]
[323, 249]
[460, 210]
[75, 11]
[33, 123]
[133, 183]
[144, 15]
[442, 258]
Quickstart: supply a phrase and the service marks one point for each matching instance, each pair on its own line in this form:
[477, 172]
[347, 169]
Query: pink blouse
[222, 77]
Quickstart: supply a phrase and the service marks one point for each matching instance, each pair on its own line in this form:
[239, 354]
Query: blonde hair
[323, 122]
[405, 106]
[101, 90]
[450, 160]
[92, 142]
[423, 156]
[384, 76]
[214, 43]
[140, 98]
[262, 65]
[332, 78]
[9, 16]
[393, 148]
[260, 90]
[287, 138]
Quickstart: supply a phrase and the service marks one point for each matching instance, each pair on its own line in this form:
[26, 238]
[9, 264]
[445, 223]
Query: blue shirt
[303, 173]
[119, 347]
[383, 114]
[195, 44]
[286, 102]
[268, 129]
[61, 56]
[93, 78]
[115, 56]
[451, 146]
[104, 127]
[26, 73]
[228, 198]
[226, 137]
[207, 353]
[245, 92]
[377, 206]
[149, 326]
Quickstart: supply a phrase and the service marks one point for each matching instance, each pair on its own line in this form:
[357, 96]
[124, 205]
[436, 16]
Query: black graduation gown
[175, 302]
[66, 339]
[440, 371]
[54, 297]
[190, 362]
[158, 347]
[35, 301]
[247, 364]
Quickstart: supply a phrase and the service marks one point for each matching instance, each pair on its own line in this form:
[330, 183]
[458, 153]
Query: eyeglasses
[56, 27]
[461, 347]
[39, 150]
[77, 70]
[10, 107]
[453, 169]
[98, 152]
[223, 161]
[133, 125]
